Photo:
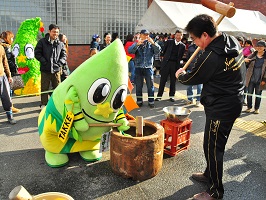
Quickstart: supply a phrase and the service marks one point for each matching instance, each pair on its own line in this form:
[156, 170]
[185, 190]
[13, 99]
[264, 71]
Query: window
[78, 19]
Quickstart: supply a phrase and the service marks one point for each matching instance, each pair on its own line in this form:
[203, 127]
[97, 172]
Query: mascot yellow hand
[72, 104]
[121, 119]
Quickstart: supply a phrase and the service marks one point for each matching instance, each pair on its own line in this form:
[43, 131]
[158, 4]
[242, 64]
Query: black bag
[17, 82]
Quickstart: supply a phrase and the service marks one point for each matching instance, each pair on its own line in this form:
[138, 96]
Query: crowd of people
[164, 55]
[224, 73]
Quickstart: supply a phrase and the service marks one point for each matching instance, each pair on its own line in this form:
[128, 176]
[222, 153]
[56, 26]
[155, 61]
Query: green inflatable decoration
[23, 49]
[93, 93]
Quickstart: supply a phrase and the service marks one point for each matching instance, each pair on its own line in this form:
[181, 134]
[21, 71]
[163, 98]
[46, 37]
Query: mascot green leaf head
[101, 84]
[23, 49]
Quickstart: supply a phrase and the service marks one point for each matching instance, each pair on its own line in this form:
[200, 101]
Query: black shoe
[158, 99]
[200, 177]
[172, 99]
[151, 105]
[140, 104]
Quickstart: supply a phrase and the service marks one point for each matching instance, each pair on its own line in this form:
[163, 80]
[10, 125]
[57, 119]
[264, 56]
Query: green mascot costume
[93, 93]
[23, 49]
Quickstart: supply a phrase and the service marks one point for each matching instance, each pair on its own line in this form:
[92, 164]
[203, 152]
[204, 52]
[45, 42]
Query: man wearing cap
[172, 54]
[95, 42]
[144, 49]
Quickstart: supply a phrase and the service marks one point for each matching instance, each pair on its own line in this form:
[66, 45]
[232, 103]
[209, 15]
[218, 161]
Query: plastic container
[177, 136]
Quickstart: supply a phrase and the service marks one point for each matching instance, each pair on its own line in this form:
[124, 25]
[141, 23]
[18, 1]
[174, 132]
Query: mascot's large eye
[29, 51]
[119, 97]
[15, 50]
[99, 91]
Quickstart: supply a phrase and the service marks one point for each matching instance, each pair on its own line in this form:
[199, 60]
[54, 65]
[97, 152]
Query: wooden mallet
[226, 10]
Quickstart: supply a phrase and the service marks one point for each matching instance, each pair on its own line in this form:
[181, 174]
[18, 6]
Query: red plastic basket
[177, 136]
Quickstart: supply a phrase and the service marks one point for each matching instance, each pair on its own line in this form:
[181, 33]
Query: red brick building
[79, 53]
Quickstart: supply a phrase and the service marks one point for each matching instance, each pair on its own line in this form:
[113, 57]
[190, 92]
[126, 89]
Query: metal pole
[55, 11]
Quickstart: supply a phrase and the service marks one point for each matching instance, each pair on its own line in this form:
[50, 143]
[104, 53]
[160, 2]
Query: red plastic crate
[177, 136]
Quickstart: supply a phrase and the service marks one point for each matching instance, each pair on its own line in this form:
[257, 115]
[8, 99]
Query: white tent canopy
[168, 16]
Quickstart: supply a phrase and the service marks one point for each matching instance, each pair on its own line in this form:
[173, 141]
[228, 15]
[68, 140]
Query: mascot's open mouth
[95, 118]
[23, 70]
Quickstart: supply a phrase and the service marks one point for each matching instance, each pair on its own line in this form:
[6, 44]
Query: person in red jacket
[131, 66]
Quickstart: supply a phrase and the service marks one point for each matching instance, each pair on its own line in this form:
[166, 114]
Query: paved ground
[22, 160]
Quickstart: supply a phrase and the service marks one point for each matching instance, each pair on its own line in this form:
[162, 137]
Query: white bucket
[52, 196]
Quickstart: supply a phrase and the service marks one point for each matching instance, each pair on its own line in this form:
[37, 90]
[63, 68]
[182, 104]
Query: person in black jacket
[172, 54]
[52, 56]
[220, 67]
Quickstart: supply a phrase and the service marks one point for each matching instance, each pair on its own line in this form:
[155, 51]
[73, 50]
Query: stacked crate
[177, 136]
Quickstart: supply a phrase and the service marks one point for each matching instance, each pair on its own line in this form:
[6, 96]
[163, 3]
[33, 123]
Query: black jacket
[221, 69]
[167, 50]
[10, 59]
[44, 53]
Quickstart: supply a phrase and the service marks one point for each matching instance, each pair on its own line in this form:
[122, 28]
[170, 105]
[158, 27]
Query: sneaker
[189, 102]
[12, 121]
[158, 99]
[151, 105]
[15, 110]
[198, 103]
[248, 110]
[172, 99]
[140, 104]
[256, 111]
[42, 107]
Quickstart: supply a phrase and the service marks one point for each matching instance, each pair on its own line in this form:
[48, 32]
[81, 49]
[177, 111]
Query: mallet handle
[220, 7]
[131, 123]
[198, 49]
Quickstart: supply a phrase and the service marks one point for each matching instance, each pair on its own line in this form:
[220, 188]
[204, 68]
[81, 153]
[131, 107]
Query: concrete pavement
[22, 160]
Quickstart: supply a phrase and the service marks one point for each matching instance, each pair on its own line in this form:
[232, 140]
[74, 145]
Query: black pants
[5, 93]
[169, 69]
[215, 138]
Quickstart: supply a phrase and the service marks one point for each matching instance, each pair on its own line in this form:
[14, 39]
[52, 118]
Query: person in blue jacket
[144, 49]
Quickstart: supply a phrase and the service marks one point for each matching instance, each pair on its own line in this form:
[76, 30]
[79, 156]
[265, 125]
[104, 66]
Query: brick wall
[77, 54]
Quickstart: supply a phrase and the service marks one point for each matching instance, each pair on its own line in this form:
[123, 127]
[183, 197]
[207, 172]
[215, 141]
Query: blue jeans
[131, 66]
[190, 92]
[251, 87]
[140, 75]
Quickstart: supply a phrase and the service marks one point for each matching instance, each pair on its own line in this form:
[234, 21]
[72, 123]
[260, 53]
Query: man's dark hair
[105, 34]
[161, 36]
[179, 31]
[200, 24]
[52, 26]
[249, 42]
